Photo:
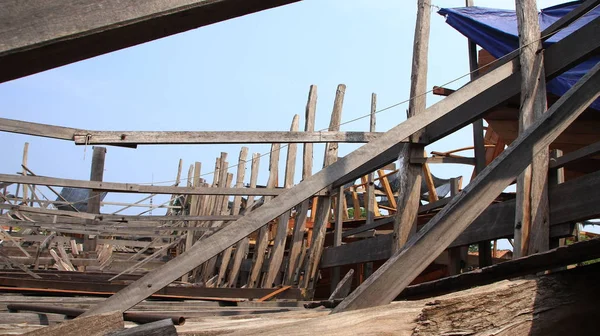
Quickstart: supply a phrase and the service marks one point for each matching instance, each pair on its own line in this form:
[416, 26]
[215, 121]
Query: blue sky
[249, 73]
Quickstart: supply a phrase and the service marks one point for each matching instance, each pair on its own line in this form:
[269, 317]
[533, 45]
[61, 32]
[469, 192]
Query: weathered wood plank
[392, 277]
[241, 250]
[134, 138]
[531, 219]
[40, 35]
[282, 223]
[324, 203]
[235, 210]
[98, 325]
[466, 102]
[297, 244]
[561, 256]
[575, 156]
[158, 328]
[139, 188]
[263, 234]
[409, 174]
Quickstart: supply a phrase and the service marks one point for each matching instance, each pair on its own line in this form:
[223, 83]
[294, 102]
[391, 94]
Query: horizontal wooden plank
[571, 201]
[38, 35]
[109, 288]
[561, 256]
[138, 188]
[134, 138]
[217, 137]
[575, 156]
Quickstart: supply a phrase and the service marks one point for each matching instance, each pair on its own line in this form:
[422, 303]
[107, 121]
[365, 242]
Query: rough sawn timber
[38, 35]
[405, 265]
[468, 100]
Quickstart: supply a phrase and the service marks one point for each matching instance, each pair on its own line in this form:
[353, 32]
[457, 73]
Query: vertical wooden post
[457, 255]
[25, 186]
[531, 222]
[409, 174]
[241, 249]
[484, 247]
[235, 210]
[93, 203]
[370, 187]
[262, 242]
[282, 223]
[323, 212]
[556, 176]
[220, 208]
[302, 212]
[194, 210]
[337, 234]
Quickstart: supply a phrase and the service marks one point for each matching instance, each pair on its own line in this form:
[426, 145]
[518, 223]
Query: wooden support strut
[324, 203]
[409, 174]
[531, 221]
[282, 223]
[241, 249]
[262, 242]
[393, 276]
[297, 244]
[43, 35]
[465, 104]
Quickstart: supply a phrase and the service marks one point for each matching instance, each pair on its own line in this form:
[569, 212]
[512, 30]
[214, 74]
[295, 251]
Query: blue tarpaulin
[495, 30]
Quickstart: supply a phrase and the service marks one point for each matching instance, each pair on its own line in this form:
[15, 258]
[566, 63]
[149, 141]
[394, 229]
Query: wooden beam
[531, 220]
[323, 214]
[410, 174]
[558, 57]
[159, 328]
[575, 156]
[280, 238]
[241, 249]
[134, 138]
[393, 276]
[139, 188]
[262, 243]
[363, 160]
[561, 256]
[43, 35]
[297, 245]
[235, 210]
[98, 325]
[95, 196]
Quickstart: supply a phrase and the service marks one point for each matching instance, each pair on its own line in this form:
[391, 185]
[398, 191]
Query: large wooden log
[40, 35]
[563, 303]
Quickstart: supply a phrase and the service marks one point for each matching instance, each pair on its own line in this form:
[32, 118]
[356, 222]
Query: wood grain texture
[393, 276]
[323, 212]
[262, 243]
[140, 188]
[531, 220]
[357, 164]
[282, 223]
[40, 35]
[98, 325]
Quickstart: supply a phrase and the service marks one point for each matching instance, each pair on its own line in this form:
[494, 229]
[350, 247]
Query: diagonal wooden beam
[452, 115]
[358, 163]
[397, 273]
[38, 35]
